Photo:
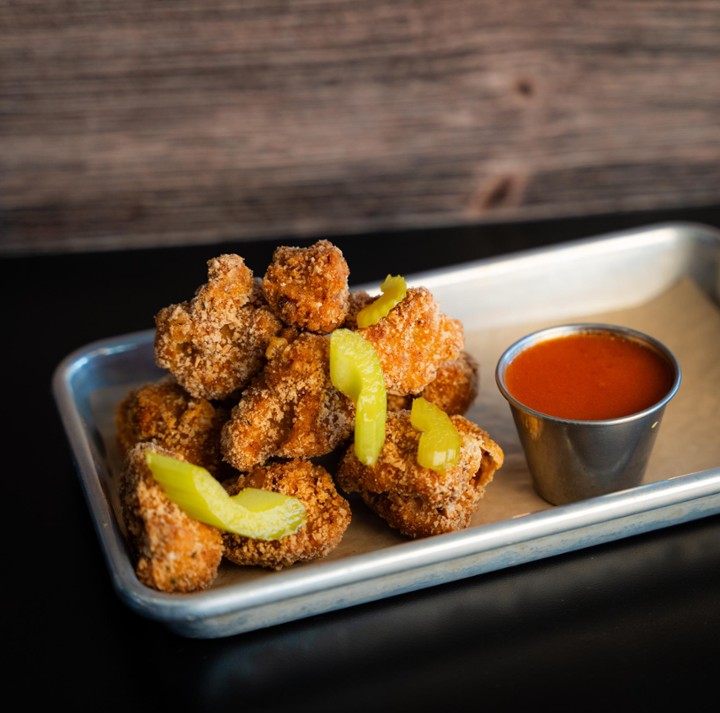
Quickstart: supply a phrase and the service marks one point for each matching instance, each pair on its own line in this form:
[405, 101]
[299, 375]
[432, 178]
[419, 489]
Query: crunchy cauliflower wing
[415, 500]
[453, 389]
[171, 551]
[215, 343]
[165, 414]
[308, 287]
[328, 515]
[412, 341]
[291, 410]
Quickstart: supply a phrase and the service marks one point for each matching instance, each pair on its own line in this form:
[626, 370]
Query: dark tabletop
[627, 625]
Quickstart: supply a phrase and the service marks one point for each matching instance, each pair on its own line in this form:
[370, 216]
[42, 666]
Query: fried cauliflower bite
[308, 287]
[453, 389]
[214, 343]
[171, 551]
[328, 515]
[165, 414]
[415, 500]
[291, 410]
[412, 340]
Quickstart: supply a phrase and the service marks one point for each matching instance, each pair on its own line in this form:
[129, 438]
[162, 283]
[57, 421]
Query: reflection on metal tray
[664, 280]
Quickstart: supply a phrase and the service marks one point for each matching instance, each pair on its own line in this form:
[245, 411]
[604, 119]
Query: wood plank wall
[143, 123]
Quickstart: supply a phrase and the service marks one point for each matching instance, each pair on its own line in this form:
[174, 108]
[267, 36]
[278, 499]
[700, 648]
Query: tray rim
[330, 585]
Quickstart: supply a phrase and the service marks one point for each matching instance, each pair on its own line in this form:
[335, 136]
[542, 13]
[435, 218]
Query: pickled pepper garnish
[355, 370]
[439, 446]
[259, 514]
[393, 291]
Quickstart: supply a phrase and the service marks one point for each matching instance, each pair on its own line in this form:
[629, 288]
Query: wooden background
[136, 123]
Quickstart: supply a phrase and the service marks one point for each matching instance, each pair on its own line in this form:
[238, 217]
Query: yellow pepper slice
[393, 291]
[259, 514]
[439, 446]
[355, 370]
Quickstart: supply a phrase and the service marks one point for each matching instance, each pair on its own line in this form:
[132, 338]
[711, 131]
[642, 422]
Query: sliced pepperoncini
[355, 370]
[259, 514]
[439, 446]
[393, 291]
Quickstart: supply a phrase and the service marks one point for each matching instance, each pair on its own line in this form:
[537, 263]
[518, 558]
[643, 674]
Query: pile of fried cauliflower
[247, 395]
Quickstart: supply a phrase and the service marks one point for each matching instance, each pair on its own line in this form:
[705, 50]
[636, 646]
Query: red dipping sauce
[588, 377]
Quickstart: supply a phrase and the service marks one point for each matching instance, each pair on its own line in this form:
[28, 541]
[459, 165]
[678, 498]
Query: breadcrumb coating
[171, 551]
[308, 287]
[328, 515]
[291, 410]
[418, 501]
[413, 340]
[215, 343]
[454, 388]
[165, 414]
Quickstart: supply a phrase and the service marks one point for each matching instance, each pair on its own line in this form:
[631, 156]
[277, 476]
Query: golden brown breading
[453, 389]
[291, 410]
[164, 413]
[215, 343]
[308, 287]
[413, 340]
[328, 515]
[415, 500]
[171, 551]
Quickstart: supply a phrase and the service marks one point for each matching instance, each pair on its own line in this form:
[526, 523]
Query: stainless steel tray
[664, 279]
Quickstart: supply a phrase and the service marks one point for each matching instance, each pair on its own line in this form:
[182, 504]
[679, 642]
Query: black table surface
[630, 624]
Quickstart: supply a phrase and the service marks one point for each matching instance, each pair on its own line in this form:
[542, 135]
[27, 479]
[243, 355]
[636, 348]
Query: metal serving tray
[664, 279]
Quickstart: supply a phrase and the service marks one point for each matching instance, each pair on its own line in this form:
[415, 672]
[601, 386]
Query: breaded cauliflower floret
[412, 341]
[291, 410]
[415, 500]
[171, 551]
[308, 287]
[165, 414]
[328, 515]
[453, 389]
[214, 343]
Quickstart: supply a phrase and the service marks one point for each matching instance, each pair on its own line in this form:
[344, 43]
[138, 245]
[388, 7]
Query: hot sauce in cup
[587, 401]
[588, 376]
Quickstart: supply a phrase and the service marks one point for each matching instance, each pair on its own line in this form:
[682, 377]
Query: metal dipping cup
[571, 460]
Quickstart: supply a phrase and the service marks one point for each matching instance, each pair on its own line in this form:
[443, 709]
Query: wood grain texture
[135, 123]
